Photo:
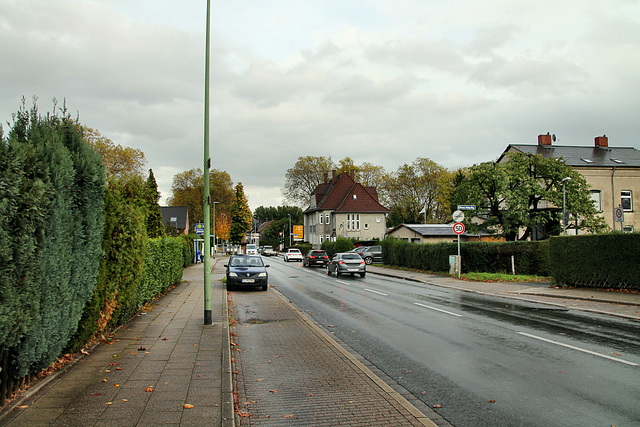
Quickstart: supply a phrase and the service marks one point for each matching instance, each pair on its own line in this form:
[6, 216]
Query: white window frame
[321, 217]
[626, 195]
[596, 198]
[326, 219]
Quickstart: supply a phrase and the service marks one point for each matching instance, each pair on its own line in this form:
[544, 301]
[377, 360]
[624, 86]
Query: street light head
[566, 179]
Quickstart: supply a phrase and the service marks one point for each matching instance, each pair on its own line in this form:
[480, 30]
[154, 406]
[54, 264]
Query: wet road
[479, 360]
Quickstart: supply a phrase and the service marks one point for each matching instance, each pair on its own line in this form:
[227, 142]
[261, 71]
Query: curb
[424, 420]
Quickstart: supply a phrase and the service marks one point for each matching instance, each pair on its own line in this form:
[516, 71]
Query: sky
[379, 81]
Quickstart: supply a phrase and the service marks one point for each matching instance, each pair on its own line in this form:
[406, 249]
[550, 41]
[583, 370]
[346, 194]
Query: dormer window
[355, 196]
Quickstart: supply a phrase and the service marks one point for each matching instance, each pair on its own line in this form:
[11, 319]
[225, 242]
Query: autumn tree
[309, 171]
[223, 226]
[525, 193]
[304, 177]
[416, 188]
[241, 220]
[188, 190]
[118, 161]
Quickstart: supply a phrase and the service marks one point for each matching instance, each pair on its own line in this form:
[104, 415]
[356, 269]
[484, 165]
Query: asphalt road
[479, 360]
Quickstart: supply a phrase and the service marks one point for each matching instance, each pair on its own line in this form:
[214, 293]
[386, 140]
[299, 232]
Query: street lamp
[214, 228]
[289, 230]
[208, 320]
[564, 204]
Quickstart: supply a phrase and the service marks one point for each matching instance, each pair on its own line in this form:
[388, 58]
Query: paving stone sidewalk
[158, 363]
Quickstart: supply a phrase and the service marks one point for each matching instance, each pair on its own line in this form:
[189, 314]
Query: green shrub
[597, 260]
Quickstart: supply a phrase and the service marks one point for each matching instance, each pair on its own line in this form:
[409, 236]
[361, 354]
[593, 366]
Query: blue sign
[467, 207]
[200, 229]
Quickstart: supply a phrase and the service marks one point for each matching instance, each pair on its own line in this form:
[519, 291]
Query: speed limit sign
[458, 228]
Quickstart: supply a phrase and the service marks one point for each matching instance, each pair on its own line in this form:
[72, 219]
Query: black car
[346, 263]
[247, 270]
[371, 254]
[315, 258]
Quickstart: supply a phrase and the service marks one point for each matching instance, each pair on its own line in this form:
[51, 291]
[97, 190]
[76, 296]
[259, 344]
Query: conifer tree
[155, 228]
[240, 216]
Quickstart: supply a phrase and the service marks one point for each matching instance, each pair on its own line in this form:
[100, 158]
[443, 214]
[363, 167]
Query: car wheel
[368, 260]
[338, 274]
[265, 287]
[362, 274]
[328, 272]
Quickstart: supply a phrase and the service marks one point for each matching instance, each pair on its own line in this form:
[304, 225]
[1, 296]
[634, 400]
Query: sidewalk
[621, 304]
[165, 367]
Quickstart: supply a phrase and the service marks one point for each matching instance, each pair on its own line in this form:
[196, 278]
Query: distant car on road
[346, 263]
[371, 254]
[247, 270]
[267, 251]
[315, 258]
[293, 254]
[252, 249]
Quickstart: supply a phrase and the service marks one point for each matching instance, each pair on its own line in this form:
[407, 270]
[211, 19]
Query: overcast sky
[380, 81]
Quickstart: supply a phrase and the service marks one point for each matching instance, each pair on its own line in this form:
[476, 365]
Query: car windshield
[351, 256]
[246, 262]
[294, 251]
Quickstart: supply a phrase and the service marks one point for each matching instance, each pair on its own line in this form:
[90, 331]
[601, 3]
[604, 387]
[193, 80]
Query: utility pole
[208, 320]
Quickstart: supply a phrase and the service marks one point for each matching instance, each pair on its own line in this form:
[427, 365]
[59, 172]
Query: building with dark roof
[177, 216]
[341, 207]
[612, 172]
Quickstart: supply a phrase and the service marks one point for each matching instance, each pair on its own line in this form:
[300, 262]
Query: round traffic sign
[458, 216]
[458, 228]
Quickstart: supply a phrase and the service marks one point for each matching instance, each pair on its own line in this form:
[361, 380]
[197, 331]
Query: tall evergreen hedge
[58, 234]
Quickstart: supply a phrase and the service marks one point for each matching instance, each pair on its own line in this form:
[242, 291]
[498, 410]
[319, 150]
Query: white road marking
[438, 309]
[579, 349]
[375, 292]
[344, 283]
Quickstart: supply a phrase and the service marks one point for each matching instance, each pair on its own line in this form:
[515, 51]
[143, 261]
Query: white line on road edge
[438, 309]
[375, 292]
[344, 283]
[579, 349]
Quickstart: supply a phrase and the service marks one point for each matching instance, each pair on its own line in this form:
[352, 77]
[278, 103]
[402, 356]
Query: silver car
[346, 263]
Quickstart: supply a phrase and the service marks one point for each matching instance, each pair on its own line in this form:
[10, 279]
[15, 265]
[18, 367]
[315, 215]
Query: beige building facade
[613, 174]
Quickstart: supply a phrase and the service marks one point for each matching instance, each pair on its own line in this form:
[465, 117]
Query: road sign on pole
[458, 228]
[458, 216]
[619, 214]
[467, 207]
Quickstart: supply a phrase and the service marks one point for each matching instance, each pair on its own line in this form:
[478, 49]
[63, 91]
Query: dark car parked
[346, 263]
[247, 270]
[371, 254]
[315, 258]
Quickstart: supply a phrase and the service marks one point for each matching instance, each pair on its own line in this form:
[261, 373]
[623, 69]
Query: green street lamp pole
[207, 164]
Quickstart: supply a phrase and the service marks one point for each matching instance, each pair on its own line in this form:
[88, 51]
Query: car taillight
[311, 256]
[341, 262]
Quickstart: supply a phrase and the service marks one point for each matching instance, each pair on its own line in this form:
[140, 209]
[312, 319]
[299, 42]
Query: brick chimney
[602, 141]
[326, 177]
[544, 139]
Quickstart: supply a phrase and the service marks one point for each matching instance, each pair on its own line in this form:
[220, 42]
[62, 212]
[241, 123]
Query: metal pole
[289, 230]
[459, 259]
[564, 203]
[207, 164]
[215, 246]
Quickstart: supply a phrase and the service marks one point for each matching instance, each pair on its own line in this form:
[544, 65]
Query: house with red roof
[341, 207]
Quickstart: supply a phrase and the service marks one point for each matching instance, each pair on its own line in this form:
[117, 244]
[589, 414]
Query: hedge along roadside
[597, 260]
[531, 258]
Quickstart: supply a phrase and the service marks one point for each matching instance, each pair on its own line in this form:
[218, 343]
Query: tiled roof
[343, 194]
[430, 229]
[582, 156]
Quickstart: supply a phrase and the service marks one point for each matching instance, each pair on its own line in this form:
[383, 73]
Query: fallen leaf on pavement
[23, 406]
[187, 406]
[491, 401]
[437, 406]
[116, 385]
[83, 351]
[273, 391]
[149, 389]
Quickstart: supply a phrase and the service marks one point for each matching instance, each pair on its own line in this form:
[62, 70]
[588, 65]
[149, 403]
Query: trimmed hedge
[531, 258]
[597, 260]
[163, 267]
